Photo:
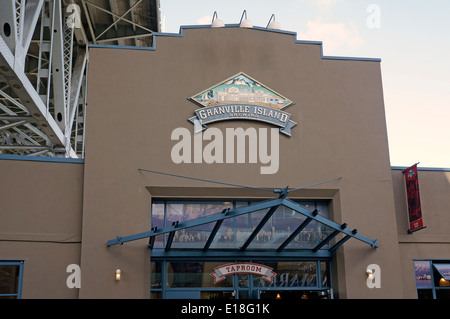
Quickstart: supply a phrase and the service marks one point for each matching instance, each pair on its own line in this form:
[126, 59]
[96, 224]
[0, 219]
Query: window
[11, 279]
[432, 279]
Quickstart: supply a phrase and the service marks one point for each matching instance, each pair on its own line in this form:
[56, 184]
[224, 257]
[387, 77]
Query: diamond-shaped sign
[241, 97]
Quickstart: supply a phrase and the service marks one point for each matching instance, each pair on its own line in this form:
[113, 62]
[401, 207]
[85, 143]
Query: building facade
[248, 203]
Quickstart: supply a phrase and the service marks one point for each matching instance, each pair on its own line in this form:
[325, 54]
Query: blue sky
[411, 37]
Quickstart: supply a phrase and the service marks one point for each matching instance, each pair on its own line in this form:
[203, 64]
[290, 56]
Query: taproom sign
[241, 97]
[221, 272]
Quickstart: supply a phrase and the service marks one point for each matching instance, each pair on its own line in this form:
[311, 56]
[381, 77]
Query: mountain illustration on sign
[241, 89]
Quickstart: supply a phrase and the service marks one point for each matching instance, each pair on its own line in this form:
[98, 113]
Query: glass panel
[194, 237]
[323, 231]
[325, 274]
[444, 270]
[422, 269]
[194, 274]
[158, 214]
[442, 293]
[9, 280]
[158, 221]
[439, 280]
[182, 211]
[309, 205]
[322, 208]
[226, 237]
[155, 275]
[243, 280]
[156, 295]
[184, 274]
[239, 204]
[290, 274]
[235, 231]
[244, 294]
[277, 229]
[159, 241]
[189, 210]
[314, 232]
[424, 294]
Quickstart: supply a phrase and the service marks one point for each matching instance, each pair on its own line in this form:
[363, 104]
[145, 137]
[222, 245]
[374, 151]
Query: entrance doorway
[263, 280]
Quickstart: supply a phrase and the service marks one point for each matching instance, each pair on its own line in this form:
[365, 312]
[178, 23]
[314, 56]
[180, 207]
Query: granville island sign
[239, 97]
[242, 97]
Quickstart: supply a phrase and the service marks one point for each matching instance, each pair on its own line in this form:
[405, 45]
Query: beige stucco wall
[40, 223]
[433, 241]
[138, 97]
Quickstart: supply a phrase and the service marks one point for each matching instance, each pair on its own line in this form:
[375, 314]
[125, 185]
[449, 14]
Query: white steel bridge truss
[44, 62]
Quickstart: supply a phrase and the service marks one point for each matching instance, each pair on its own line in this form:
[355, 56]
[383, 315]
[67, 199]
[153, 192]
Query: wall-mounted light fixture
[444, 283]
[273, 24]
[216, 22]
[118, 273]
[369, 273]
[245, 23]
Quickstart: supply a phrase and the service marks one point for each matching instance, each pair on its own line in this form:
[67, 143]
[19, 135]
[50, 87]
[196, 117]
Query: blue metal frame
[14, 263]
[272, 205]
[214, 254]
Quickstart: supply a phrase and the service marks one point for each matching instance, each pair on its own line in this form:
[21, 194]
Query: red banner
[413, 196]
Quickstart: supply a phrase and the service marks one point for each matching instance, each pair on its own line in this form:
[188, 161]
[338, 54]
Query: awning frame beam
[197, 222]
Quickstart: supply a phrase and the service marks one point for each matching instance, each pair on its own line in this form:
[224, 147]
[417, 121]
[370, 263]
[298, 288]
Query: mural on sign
[243, 89]
[242, 97]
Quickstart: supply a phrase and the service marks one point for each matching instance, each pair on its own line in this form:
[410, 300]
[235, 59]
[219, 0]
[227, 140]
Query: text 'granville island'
[246, 112]
[237, 110]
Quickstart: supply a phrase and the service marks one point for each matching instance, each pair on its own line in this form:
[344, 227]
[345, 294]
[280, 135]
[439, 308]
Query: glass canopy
[271, 226]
